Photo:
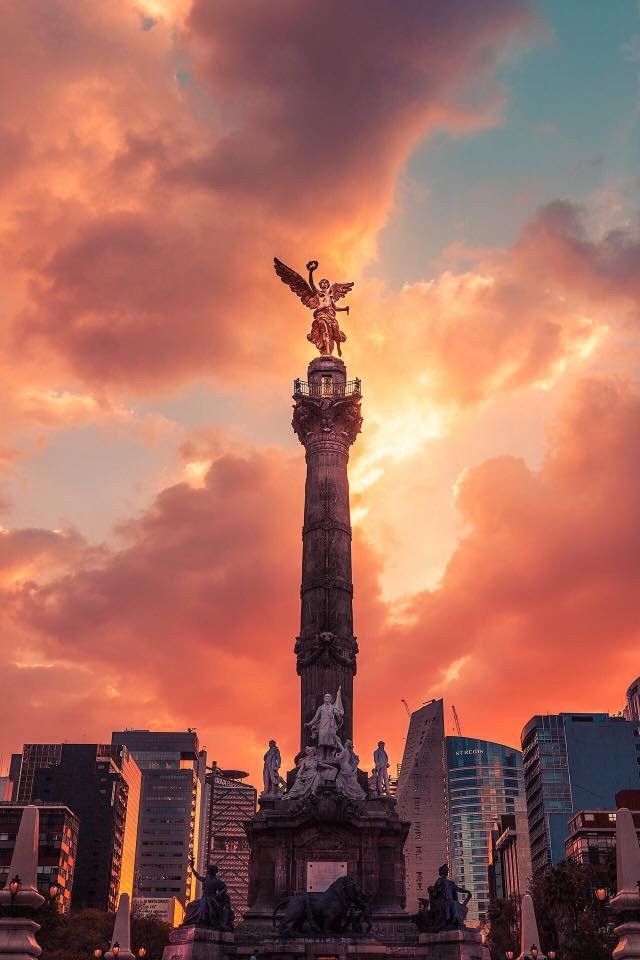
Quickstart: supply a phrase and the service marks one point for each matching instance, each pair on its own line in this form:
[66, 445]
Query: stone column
[17, 929]
[626, 903]
[327, 420]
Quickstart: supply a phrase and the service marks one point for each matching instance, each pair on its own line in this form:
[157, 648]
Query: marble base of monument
[453, 945]
[449, 945]
[198, 943]
[366, 836]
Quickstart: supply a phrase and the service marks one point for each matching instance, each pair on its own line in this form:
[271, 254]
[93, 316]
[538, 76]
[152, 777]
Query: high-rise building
[421, 800]
[632, 704]
[57, 848]
[573, 762]
[14, 774]
[484, 781]
[6, 789]
[230, 803]
[592, 833]
[510, 868]
[170, 827]
[35, 756]
[101, 784]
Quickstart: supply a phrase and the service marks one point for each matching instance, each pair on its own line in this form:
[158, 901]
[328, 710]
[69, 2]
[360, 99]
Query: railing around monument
[351, 388]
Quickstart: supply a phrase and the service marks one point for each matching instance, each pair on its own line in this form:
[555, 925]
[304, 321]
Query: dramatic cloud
[153, 159]
[544, 583]
[163, 165]
[195, 616]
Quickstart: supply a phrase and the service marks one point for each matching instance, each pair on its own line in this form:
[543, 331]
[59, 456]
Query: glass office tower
[484, 780]
[572, 762]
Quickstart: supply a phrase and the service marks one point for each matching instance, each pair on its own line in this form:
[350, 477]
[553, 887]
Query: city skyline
[151, 490]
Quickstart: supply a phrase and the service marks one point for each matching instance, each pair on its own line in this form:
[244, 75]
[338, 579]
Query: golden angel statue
[325, 332]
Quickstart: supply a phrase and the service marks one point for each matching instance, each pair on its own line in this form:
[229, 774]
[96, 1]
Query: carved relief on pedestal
[327, 418]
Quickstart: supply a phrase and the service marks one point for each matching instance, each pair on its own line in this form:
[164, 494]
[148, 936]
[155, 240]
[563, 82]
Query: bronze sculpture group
[213, 908]
[340, 910]
[442, 910]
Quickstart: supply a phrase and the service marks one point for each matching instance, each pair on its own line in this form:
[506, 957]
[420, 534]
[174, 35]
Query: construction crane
[406, 706]
[456, 721]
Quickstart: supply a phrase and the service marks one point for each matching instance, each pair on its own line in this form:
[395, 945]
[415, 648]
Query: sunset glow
[473, 168]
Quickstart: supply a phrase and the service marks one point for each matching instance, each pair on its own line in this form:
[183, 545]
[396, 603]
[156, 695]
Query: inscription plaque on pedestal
[322, 873]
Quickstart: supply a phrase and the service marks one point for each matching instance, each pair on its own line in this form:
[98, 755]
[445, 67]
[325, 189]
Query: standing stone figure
[271, 778]
[325, 724]
[325, 331]
[381, 761]
[213, 909]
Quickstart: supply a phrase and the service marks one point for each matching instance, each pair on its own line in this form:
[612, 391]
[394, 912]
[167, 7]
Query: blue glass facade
[573, 762]
[484, 780]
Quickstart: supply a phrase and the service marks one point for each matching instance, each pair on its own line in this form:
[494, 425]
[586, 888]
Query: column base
[18, 939]
[453, 945]
[628, 947]
[198, 943]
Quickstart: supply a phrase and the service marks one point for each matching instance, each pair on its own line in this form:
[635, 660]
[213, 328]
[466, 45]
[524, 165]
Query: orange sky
[154, 157]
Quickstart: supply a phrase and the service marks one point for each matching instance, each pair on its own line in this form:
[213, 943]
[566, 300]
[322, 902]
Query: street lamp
[142, 951]
[115, 949]
[534, 951]
[14, 887]
[551, 955]
[602, 894]
[97, 953]
[509, 954]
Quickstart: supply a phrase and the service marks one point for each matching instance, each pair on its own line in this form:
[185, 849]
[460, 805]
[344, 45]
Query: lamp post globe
[14, 886]
[115, 949]
[534, 951]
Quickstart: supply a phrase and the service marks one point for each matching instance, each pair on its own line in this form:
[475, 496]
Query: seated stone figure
[443, 910]
[347, 776]
[307, 775]
[213, 909]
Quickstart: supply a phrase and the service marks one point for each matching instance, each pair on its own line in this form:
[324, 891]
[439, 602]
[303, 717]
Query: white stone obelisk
[529, 936]
[17, 929]
[121, 931]
[627, 899]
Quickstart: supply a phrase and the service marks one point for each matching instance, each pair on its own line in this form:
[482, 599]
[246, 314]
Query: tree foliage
[571, 920]
[76, 937]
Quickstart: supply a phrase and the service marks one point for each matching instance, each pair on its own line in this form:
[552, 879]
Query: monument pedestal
[363, 839]
[198, 943]
[453, 945]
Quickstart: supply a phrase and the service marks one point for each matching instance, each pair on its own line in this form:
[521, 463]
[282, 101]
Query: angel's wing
[296, 283]
[337, 290]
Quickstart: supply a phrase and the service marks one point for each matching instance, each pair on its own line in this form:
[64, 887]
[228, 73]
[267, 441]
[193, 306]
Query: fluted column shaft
[327, 420]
